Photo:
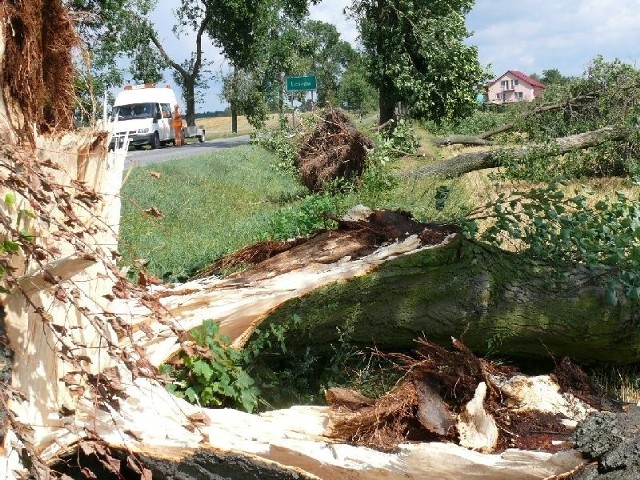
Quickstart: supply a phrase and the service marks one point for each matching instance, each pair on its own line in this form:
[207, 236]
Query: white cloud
[523, 36]
[550, 34]
[333, 11]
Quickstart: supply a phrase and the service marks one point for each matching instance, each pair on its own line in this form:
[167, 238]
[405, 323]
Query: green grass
[215, 204]
[212, 205]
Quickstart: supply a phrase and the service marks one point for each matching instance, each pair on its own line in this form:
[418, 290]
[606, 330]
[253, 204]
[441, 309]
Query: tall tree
[552, 76]
[355, 92]
[109, 29]
[249, 32]
[418, 56]
[118, 28]
[326, 55]
[290, 48]
[263, 40]
[191, 17]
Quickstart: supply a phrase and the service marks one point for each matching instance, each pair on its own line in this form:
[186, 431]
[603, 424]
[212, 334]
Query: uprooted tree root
[333, 150]
[438, 385]
[38, 71]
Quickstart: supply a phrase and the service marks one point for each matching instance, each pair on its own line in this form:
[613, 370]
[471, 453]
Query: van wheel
[156, 141]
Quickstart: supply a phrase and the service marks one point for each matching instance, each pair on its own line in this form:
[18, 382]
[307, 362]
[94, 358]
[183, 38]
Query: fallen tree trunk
[469, 162]
[460, 140]
[492, 300]
[482, 138]
[84, 398]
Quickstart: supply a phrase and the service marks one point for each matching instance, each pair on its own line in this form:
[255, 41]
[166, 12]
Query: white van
[143, 112]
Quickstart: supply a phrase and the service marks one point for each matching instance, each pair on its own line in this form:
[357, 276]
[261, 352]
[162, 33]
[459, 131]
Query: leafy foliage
[552, 76]
[478, 122]
[326, 55]
[608, 94]
[280, 142]
[305, 218]
[418, 56]
[112, 29]
[274, 361]
[212, 372]
[284, 46]
[547, 224]
[355, 93]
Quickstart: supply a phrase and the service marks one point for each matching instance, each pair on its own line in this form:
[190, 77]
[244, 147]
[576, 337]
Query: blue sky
[525, 36]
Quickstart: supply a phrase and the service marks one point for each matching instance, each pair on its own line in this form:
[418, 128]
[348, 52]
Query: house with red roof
[514, 86]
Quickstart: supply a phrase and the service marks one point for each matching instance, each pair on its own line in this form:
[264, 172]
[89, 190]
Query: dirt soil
[333, 150]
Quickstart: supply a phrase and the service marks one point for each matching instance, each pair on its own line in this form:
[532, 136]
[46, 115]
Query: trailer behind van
[142, 113]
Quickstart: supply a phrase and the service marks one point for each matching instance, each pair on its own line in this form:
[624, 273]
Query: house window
[505, 84]
[515, 82]
[519, 95]
[499, 96]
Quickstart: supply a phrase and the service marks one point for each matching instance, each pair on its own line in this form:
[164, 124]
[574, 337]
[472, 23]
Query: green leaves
[211, 373]
[547, 224]
[418, 55]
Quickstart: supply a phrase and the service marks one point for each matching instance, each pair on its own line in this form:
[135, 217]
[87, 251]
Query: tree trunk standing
[234, 102]
[234, 119]
[387, 105]
[281, 95]
[189, 78]
[190, 100]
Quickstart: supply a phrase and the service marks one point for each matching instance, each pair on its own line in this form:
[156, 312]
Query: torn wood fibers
[81, 344]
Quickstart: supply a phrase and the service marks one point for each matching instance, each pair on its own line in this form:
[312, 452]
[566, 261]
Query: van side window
[166, 110]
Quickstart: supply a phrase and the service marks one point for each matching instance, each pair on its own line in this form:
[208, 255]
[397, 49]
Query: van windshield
[133, 110]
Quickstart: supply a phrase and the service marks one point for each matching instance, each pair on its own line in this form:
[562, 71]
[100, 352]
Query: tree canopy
[242, 29]
[552, 76]
[326, 55]
[418, 56]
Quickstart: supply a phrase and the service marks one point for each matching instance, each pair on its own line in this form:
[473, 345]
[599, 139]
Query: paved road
[141, 158]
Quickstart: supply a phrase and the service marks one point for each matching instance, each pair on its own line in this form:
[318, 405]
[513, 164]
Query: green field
[214, 204]
[211, 205]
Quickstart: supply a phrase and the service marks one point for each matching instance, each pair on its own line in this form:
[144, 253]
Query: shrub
[211, 372]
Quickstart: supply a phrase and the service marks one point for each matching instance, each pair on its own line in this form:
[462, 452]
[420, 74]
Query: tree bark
[387, 104]
[83, 342]
[469, 162]
[460, 140]
[491, 300]
[234, 102]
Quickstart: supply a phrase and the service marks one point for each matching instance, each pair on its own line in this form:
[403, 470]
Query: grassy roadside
[214, 204]
[220, 127]
[210, 205]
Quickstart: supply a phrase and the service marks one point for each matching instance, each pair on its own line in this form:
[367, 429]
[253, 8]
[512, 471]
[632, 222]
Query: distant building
[514, 86]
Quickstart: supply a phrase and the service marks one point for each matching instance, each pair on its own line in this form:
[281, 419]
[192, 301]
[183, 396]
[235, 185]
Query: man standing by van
[176, 123]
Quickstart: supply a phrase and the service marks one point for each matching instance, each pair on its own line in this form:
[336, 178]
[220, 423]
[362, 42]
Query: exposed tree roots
[334, 150]
[433, 403]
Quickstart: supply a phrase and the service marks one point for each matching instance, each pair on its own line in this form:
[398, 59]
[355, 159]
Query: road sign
[300, 84]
